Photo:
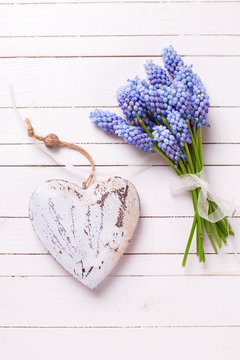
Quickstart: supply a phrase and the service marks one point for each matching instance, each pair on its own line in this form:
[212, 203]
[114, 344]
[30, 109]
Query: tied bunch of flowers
[165, 114]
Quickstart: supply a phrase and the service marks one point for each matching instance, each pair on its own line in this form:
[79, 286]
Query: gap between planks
[112, 35]
[102, 166]
[119, 2]
[119, 327]
[140, 217]
[122, 276]
[119, 143]
[126, 254]
[98, 106]
[108, 56]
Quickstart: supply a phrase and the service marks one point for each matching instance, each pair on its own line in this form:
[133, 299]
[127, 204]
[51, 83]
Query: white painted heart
[86, 231]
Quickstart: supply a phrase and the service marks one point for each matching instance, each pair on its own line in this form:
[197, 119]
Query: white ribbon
[193, 181]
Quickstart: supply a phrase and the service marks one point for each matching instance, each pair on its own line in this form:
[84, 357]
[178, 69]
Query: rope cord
[52, 141]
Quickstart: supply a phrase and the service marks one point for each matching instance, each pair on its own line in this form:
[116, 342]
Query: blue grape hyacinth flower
[156, 75]
[106, 120]
[167, 143]
[114, 124]
[197, 109]
[172, 61]
[179, 127]
[130, 100]
[134, 135]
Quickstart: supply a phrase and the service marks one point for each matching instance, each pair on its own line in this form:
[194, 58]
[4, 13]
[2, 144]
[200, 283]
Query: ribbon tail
[203, 208]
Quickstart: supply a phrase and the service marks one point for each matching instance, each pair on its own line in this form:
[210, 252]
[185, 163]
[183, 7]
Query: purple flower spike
[167, 143]
[135, 136]
[114, 124]
[156, 75]
[172, 61]
[179, 128]
[105, 120]
[130, 101]
[197, 108]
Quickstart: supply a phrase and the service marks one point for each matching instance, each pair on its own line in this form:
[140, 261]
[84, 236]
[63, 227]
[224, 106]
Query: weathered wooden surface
[63, 58]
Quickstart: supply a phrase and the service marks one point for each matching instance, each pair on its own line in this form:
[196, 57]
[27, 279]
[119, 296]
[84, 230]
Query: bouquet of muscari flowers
[165, 115]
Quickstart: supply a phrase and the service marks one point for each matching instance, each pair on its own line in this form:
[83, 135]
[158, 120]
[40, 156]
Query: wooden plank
[129, 265]
[110, 154]
[123, 301]
[120, 19]
[55, 2]
[93, 81]
[18, 237]
[73, 125]
[219, 343]
[194, 45]
[153, 185]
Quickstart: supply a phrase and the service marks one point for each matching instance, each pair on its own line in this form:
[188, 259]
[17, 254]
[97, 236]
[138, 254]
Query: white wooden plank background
[63, 58]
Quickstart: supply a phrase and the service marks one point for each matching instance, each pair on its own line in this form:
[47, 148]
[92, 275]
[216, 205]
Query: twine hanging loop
[52, 141]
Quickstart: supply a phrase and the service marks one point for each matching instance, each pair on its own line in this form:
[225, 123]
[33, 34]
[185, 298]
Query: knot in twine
[193, 181]
[52, 141]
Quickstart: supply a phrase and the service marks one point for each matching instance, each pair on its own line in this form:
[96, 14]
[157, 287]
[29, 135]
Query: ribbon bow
[193, 181]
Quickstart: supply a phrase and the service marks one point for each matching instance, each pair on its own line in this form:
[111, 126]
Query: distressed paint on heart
[86, 231]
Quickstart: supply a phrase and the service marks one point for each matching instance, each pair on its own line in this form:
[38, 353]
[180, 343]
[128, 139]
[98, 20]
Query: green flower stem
[207, 227]
[222, 224]
[157, 121]
[189, 241]
[197, 146]
[193, 156]
[216, 234]
[189, 158]
[194, 193]
[197, 240]
[199, 167]
[204, 259]
[222, 227]
[225, 223]
[166, 122]
[225, 219]
[219, 227]
[200, 239]
[194, 199]
[228, 226]
[156, 148]
[182, 166]
[143, 125]
[222, 235]
[199, 137]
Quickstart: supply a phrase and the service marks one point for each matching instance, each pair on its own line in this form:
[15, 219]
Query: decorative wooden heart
[86, 231]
